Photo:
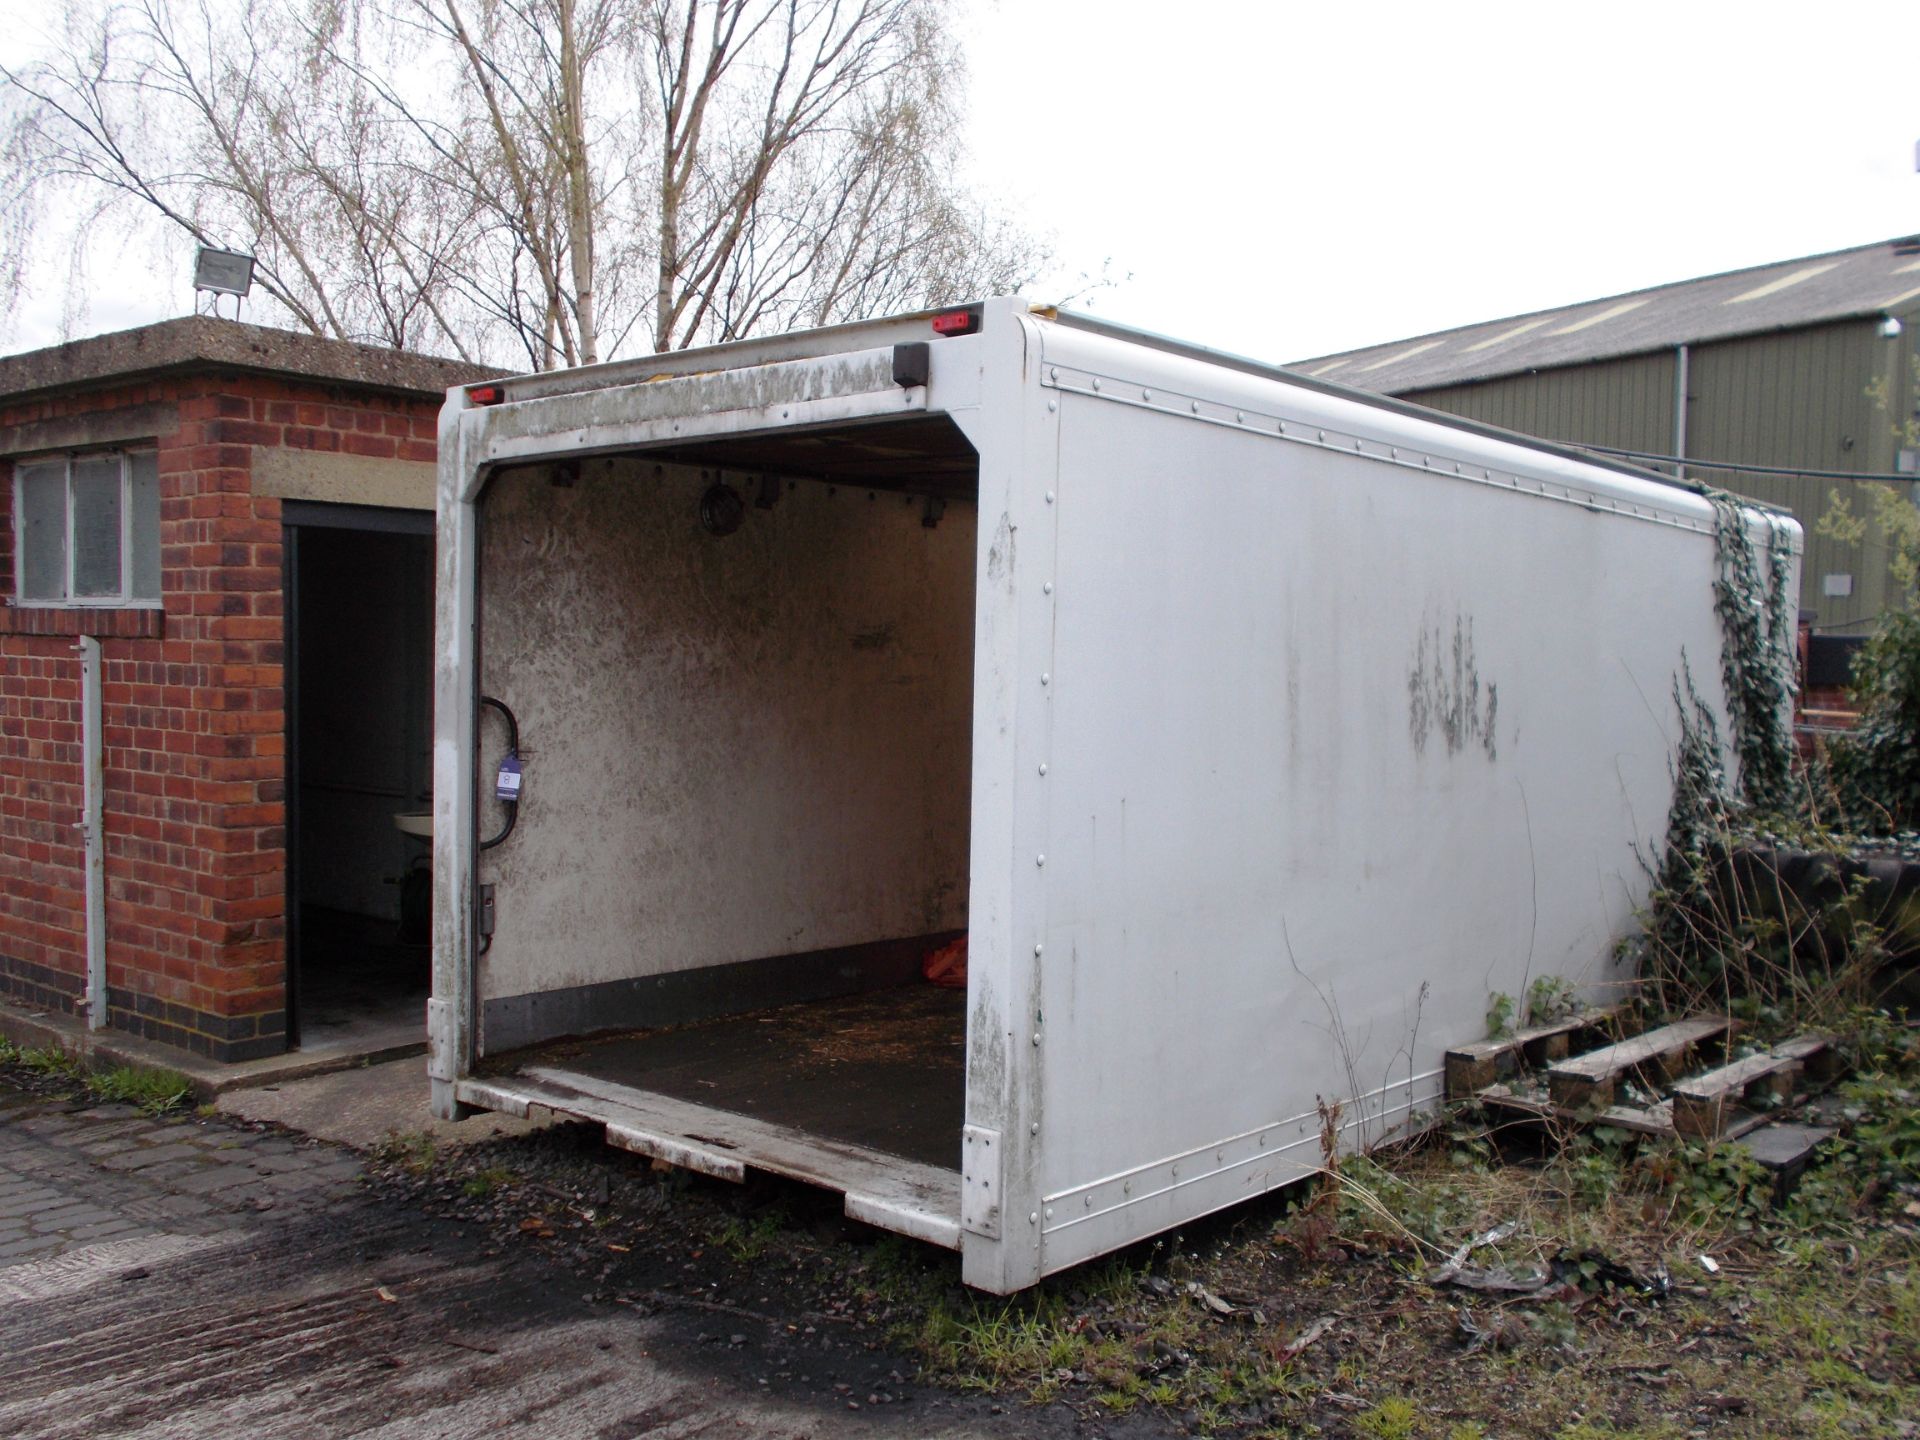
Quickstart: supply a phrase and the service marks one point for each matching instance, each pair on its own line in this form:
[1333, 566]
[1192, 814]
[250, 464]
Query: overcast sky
[1285, 180]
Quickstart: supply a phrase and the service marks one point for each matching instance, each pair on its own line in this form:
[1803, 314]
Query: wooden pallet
[1588, 1082]
[1706, 1106]
[1583, 1089]
[1471, 1068]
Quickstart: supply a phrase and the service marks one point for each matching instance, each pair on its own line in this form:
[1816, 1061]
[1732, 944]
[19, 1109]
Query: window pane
[43, 530]
[96, 526]
[143, 470]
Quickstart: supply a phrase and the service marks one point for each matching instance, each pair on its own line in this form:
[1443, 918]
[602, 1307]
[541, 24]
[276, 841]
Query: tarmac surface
[206, 1276]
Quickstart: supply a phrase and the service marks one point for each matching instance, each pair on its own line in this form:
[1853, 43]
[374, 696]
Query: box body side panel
[1339, 748]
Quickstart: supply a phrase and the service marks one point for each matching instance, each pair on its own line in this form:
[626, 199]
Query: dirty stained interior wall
[736, 747]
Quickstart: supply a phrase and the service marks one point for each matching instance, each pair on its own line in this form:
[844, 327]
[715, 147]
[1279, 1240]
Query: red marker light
[486, 394]
[957, 322]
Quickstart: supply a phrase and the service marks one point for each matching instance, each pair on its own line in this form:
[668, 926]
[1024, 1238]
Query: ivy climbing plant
[1751, 597]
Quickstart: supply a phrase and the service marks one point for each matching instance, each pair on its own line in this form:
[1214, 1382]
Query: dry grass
[1807, 1323]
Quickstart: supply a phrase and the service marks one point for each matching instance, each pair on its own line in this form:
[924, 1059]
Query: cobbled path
[87, 1182]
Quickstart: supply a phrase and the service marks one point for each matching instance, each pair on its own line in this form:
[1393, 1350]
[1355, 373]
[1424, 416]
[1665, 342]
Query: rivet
[1034, 1218]
[1046, 677]
[1054, 374]
[1049, 1212]
[1239, 417]
[1393, 453]
[1283, 427]
[1089, 1202]
[1038, 948]
[1322, 435]
[1127, 1188]
[1263, 1142]
[1176, 1172]
[1096, 384]
[1146, 394]
[1196, 407]
[1053, 404]
[1047, 589]
[1039, 859]
[1034, 1129]
[1043, 768]
[1036, 1037]
[1049, 497]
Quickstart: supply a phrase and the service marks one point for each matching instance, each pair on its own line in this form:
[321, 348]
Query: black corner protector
[912, 362]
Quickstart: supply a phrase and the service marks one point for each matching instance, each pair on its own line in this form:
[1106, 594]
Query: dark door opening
[359, 670]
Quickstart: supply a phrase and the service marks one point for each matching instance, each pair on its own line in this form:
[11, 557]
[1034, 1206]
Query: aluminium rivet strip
[1195, 408]
[1253, 1154]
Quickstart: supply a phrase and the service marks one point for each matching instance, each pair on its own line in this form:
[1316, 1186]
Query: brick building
[241, 518]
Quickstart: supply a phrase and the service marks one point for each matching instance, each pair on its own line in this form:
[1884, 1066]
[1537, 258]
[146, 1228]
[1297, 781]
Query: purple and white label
[507, 786]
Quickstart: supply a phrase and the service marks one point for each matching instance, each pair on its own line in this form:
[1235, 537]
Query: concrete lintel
[333, 478]
[100, 427]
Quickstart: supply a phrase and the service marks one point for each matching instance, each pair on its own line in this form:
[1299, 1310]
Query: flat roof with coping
[204, 342]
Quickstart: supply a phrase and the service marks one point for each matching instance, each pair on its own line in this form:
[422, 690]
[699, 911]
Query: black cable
[513, 749]
[1742, 469]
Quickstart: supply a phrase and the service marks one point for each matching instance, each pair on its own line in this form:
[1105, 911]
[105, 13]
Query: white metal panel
[450, 1027]
[822, 391]
[1016, 438]
[1339, 746]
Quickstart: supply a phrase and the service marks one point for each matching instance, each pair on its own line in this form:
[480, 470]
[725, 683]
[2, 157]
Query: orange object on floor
[947, 966]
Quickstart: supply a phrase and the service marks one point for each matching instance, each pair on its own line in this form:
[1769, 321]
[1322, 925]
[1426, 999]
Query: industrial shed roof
[1877, 279]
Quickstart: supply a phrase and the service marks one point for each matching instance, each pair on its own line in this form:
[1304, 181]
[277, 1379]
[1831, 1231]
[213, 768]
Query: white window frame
[123, 599]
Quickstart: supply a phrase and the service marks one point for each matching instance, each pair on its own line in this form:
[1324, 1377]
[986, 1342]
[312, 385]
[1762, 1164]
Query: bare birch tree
[551, 182]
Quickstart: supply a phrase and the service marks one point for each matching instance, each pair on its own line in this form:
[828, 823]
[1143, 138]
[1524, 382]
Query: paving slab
[364, 1106]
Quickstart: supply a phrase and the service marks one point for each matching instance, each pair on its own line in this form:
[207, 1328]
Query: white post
[92, 788]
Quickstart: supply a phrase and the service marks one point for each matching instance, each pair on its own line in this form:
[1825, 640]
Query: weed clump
[152, 1091]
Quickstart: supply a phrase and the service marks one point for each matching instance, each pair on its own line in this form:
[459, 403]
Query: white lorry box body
[1254, 733]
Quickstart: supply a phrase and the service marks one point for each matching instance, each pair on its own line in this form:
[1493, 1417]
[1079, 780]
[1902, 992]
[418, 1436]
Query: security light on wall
[223, 272]
[1890, 328]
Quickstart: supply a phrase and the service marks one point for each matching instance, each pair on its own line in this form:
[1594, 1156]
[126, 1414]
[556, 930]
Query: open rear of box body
[747, 762]
[1253, 732]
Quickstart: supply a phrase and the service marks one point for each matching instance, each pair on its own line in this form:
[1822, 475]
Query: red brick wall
[194, 727]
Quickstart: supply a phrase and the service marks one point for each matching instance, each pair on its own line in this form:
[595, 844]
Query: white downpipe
[1680, 384]
[91, 804]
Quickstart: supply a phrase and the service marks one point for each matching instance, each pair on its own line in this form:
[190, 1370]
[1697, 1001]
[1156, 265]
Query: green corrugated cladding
[1797, 397]
[1626, 403]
